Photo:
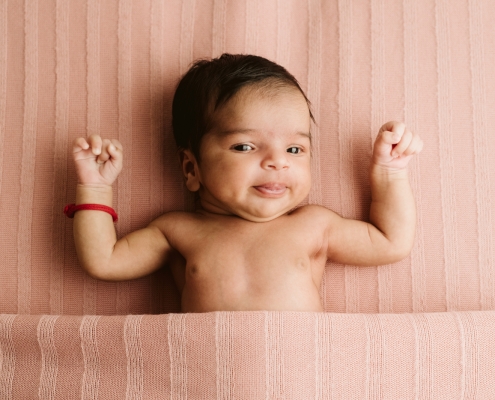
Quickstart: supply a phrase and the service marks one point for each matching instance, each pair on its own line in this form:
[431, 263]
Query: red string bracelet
[70, 209]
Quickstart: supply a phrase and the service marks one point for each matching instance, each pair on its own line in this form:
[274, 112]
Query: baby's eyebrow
[234, 131]
[305, 134]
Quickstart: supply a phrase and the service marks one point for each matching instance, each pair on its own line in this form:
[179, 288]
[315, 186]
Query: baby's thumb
[115, 153]
[389, 137]
[116, 159]
[384, 144]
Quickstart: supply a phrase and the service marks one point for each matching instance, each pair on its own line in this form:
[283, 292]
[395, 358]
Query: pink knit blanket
[249, 355]
[420, 329]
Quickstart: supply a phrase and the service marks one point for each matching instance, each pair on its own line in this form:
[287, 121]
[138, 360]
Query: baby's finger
[95, 142]
[104, 155]
[79, 144]
[117, 144]
[392, 132]
[415, 147]
[404, 143]
[115, 149]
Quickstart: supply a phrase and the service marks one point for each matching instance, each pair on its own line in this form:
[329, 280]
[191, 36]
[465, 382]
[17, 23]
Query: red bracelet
[70, 209]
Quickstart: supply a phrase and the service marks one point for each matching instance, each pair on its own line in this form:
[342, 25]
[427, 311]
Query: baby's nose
[275, 160]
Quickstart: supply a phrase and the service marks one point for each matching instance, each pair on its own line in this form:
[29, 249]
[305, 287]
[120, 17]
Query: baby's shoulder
[173, 219]
[318, 218]
[178, 226]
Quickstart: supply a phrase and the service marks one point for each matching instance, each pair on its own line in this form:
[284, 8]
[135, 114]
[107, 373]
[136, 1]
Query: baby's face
[255, 162]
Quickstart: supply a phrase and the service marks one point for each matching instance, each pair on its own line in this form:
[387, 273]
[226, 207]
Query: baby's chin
[265, 211]
[246, 214]
[263, 215]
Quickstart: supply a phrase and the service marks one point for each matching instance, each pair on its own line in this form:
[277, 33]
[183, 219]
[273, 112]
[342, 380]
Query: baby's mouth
[272, 188]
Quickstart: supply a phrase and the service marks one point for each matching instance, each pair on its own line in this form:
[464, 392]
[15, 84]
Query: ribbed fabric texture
[253, 355]
[78, 67]
[75, 68]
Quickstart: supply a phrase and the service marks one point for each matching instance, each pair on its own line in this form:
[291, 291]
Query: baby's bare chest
[247, 263]
[227, 263]
[241, 255]
[250, 253]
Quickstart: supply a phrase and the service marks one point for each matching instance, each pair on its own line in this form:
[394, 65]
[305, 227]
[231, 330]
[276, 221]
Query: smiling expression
[255, 161]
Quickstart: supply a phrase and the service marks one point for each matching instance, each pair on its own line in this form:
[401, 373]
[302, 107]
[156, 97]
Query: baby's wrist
[94, 194]
[385, 172]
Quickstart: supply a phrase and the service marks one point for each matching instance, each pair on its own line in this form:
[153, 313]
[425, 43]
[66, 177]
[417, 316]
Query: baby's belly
[289, 293]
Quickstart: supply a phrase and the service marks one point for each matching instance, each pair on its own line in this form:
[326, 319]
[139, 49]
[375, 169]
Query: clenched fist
[98, 161]
[395, 145]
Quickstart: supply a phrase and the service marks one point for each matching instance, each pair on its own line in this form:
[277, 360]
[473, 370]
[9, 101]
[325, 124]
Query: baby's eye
[294, 150]
[242, 147]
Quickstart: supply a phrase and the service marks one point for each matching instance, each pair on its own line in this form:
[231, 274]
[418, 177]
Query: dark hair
[210, 83]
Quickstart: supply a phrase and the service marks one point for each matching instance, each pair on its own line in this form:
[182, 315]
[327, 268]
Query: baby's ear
[190, 169]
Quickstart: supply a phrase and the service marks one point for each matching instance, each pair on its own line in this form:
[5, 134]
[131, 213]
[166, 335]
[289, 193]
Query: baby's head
[242, 126]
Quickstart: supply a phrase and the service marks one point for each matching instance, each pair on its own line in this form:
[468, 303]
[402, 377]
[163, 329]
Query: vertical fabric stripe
[345, 108]
[89, 346]
[252, 27]
[385, 292]
[378, 64]
[411, 86]
[481, 136]
[274, 357]
[284, 8]
[297, 331]
[314, 87]
[186, 35]
[352, 294]
[423, 359]
[178, 356]
[416, 356]
[24, 235]
[93, 116]
[7, 356]
[49, 357]
[374, 356]
[157, 149]
[484, 326]
[93, 67]
[446, 151]
[218, 29]
[462, 346]
[185, 58]
[471, 355]
[125, 136]
[125, 103]
[224, 339]
[134, 350]
[60, 154]
[347, 195]
[378, 98]
[323, 359]
[90, 294]
[157, 116]
[3, 81]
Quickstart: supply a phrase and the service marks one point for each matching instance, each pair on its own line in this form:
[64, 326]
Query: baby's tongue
[271, 188]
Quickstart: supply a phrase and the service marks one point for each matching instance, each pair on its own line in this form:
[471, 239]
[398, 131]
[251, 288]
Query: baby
[242, 126]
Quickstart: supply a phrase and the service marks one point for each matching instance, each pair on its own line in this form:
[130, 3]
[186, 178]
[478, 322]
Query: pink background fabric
[73, 68]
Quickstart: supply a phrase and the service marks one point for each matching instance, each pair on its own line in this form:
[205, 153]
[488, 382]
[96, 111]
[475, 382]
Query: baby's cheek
[306, 180]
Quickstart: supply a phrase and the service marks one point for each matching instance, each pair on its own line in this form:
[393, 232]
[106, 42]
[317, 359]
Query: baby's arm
[389, 235]
[98, 163]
